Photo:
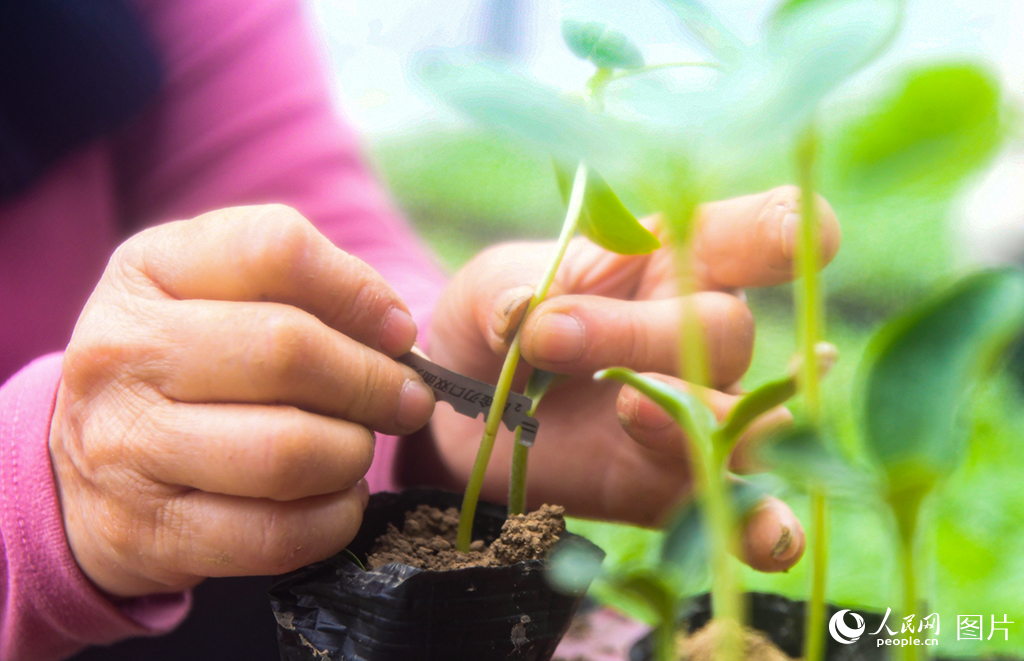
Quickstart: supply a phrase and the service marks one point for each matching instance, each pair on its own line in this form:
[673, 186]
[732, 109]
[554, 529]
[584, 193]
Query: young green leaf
[605, 47]
[498, 98]
[939, 124]
[766, 397]
[694, 417]
[756, 402]
[538, 384]
[604, 219]
[708, 28]
[814, 47]
[921, 367]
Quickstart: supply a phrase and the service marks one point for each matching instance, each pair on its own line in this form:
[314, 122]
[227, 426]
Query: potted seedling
[474, 594]
[669, 150]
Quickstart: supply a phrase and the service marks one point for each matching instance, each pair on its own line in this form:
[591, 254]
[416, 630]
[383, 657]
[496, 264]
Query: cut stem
[517, 478]
[508, 369]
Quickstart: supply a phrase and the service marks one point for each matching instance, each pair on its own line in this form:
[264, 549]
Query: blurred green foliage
[892, 163]
[465, 190]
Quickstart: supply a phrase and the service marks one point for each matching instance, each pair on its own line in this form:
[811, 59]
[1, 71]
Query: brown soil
[427, 540]
[702, 645]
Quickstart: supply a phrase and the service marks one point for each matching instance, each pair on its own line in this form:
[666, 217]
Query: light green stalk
[809, 332]
[508, 369]
[517, 478]
[710, 461]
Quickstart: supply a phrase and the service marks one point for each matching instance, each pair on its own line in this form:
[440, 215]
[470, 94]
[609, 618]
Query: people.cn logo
[842, 633]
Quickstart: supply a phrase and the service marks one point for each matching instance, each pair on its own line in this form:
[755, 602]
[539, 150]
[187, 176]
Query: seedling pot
[334, 610]
[782, 620]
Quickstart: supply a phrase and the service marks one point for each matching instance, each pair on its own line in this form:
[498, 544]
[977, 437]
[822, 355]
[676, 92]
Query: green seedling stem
[909, 590]
[809, 330]
[711, 459]
[508, 369]
[517, 478]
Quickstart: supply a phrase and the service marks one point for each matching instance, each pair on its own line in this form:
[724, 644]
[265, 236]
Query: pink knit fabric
[244, 118]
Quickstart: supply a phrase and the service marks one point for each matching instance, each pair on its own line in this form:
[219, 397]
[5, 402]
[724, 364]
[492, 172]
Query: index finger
[750, 241]
[272, 253]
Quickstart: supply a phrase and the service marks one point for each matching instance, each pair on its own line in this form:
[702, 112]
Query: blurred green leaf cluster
[894, 157]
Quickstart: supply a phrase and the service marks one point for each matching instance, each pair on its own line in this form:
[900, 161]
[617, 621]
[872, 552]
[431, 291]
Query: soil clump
[427, 540]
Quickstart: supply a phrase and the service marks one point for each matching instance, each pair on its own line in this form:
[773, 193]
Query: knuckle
[281, 237]
[636, 342]
[287, 344]
[285, 458]
[281, 544]
[363, 301]
[371, 384]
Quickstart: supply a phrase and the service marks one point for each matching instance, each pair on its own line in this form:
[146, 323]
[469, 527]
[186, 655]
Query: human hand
[607, 310]
[217, 399]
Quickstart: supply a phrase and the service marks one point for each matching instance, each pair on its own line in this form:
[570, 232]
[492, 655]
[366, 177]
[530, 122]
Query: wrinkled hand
[215, 412]
[608, 310]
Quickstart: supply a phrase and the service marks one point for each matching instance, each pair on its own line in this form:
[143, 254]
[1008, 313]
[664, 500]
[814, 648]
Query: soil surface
[427, 540]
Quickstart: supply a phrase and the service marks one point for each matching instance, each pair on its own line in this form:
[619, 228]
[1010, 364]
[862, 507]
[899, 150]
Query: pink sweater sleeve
[50, 609]
[244, 118]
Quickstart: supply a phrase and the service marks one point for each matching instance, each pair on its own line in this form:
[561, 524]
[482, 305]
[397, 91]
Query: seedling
[594, 210]
[711, 444]
[917, 377]
[672, 148]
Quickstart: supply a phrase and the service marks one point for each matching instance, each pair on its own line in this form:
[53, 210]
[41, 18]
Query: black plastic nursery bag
[334, 610]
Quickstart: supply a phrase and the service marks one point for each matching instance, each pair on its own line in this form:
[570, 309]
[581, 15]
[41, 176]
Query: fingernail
[558, 338]
[398, 332]
[509, 310]
[785, 549]
[650, 416]
[363, 489]
[789, 229]
[415, 405]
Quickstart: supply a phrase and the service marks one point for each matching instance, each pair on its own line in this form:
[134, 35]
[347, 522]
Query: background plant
[883, 264]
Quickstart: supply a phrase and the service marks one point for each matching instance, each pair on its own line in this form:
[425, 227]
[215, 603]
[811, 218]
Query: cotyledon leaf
[605, 47]
[605, 220]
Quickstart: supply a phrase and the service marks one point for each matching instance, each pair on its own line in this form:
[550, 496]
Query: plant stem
[517, 478]
[909, 589]
[809, 332]
[710, 463]
[808, 292]
[508, 369]
[814, 626]
[725, 598]
[665, 640]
